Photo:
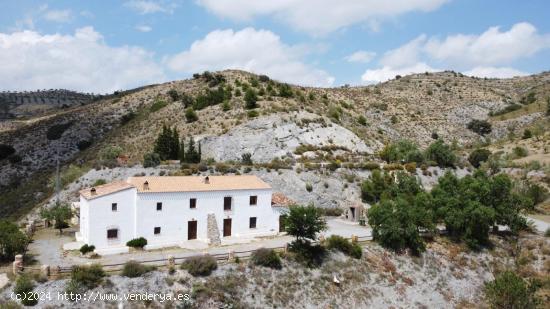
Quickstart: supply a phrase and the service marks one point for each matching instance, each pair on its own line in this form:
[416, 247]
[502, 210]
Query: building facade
[176, 211]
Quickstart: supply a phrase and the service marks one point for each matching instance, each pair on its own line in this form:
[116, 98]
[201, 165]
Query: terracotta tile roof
[278, 199]
[197, 183]
[105, 189]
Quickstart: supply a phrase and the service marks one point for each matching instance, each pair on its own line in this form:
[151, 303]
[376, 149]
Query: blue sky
[102, 46]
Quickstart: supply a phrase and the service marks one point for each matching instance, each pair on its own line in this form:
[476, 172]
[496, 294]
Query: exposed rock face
[278, 136]
[212, 230]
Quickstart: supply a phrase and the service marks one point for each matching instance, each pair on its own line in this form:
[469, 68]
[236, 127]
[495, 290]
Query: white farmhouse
[176, 211]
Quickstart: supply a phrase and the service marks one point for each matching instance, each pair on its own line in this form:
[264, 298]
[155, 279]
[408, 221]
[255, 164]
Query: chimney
[206, 180]
[146, 185]
[93, 191]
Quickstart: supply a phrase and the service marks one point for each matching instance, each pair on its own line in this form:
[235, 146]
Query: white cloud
[493, 47]
[489, 54]
[259, 51]
[58, 16]
[361, 56]
[493, 72]
[149, 7]
[319, 16]
[386, 73]
[82, 61]
[144, 28]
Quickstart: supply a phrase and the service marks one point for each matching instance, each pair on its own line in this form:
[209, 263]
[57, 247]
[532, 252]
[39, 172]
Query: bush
[371, 166]
[250, 99]
[158, 105]
[481, 127]
[441, 153]
[331, 212]
[402, 151]
[246, 158]
[12, 240]
[87, 276]
[335, 242]
[520, 152]
[362, 120]
[133, 269]
[547, 232]
[509, 290]
[6, 151]
[137, 243]
[252, 114]
[83, 144]
[191, 115]
[267, 258]
[527, 134]
[56, 131]
[200, 265]
[307, 254]
[85, 248]
[151, 159]
[477, 156]
[24, 290]
[309, 187]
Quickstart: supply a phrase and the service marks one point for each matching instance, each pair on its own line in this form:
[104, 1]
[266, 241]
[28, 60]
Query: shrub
[6, 151]
[246, 158]
[200, 265]
[133, 269]
[527, 134]
[362, 120]
[509, 290]
[510, 108]
[410, 167]
[127, 117]
[87, 276]
[402, 151]
[99, 182]
[85, 248]
[520, 152]
[12, 240]
[191, 115]
[335, 242]
[151, 159]
[371, 166]
[441, 153]
[252, 114]
[174, 95]
[481, 127]
[24, 289]
[309, 187]
[331, 212]
[263, 78]
[83, 144]
[547, 232]
[137, 243]
[250, 99]
[477, 156]
[267, 258]
[307, 254]
[56, 131]
[158, 105]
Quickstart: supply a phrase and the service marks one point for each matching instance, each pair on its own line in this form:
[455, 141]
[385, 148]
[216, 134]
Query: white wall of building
[137, 216]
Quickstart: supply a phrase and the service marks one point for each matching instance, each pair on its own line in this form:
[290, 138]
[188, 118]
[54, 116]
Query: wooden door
[191, 230]
[226, 227]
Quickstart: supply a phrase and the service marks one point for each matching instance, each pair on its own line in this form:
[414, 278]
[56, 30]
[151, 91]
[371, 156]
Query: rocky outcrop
[278, 135]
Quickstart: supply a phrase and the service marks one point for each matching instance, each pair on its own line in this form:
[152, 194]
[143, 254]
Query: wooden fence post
[354, 239]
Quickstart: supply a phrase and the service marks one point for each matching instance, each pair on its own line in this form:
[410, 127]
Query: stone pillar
[354, 239]
[230, 255]
[45, 271]
[18, 264]
[285, 249]
[171, 261]
[212, 231]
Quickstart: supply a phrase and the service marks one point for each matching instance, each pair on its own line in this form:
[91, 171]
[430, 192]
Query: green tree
[304, 223]
[24, 290]
[250, 99]
[12, 240]
[60, 213]
[167, 144]
[174, 95]
[510, 291]
[372, 188]
[441, 153]
[477, 156]
[396, 223]
[191, 154]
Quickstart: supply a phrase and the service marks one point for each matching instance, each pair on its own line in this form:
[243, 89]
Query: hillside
[348, 123]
